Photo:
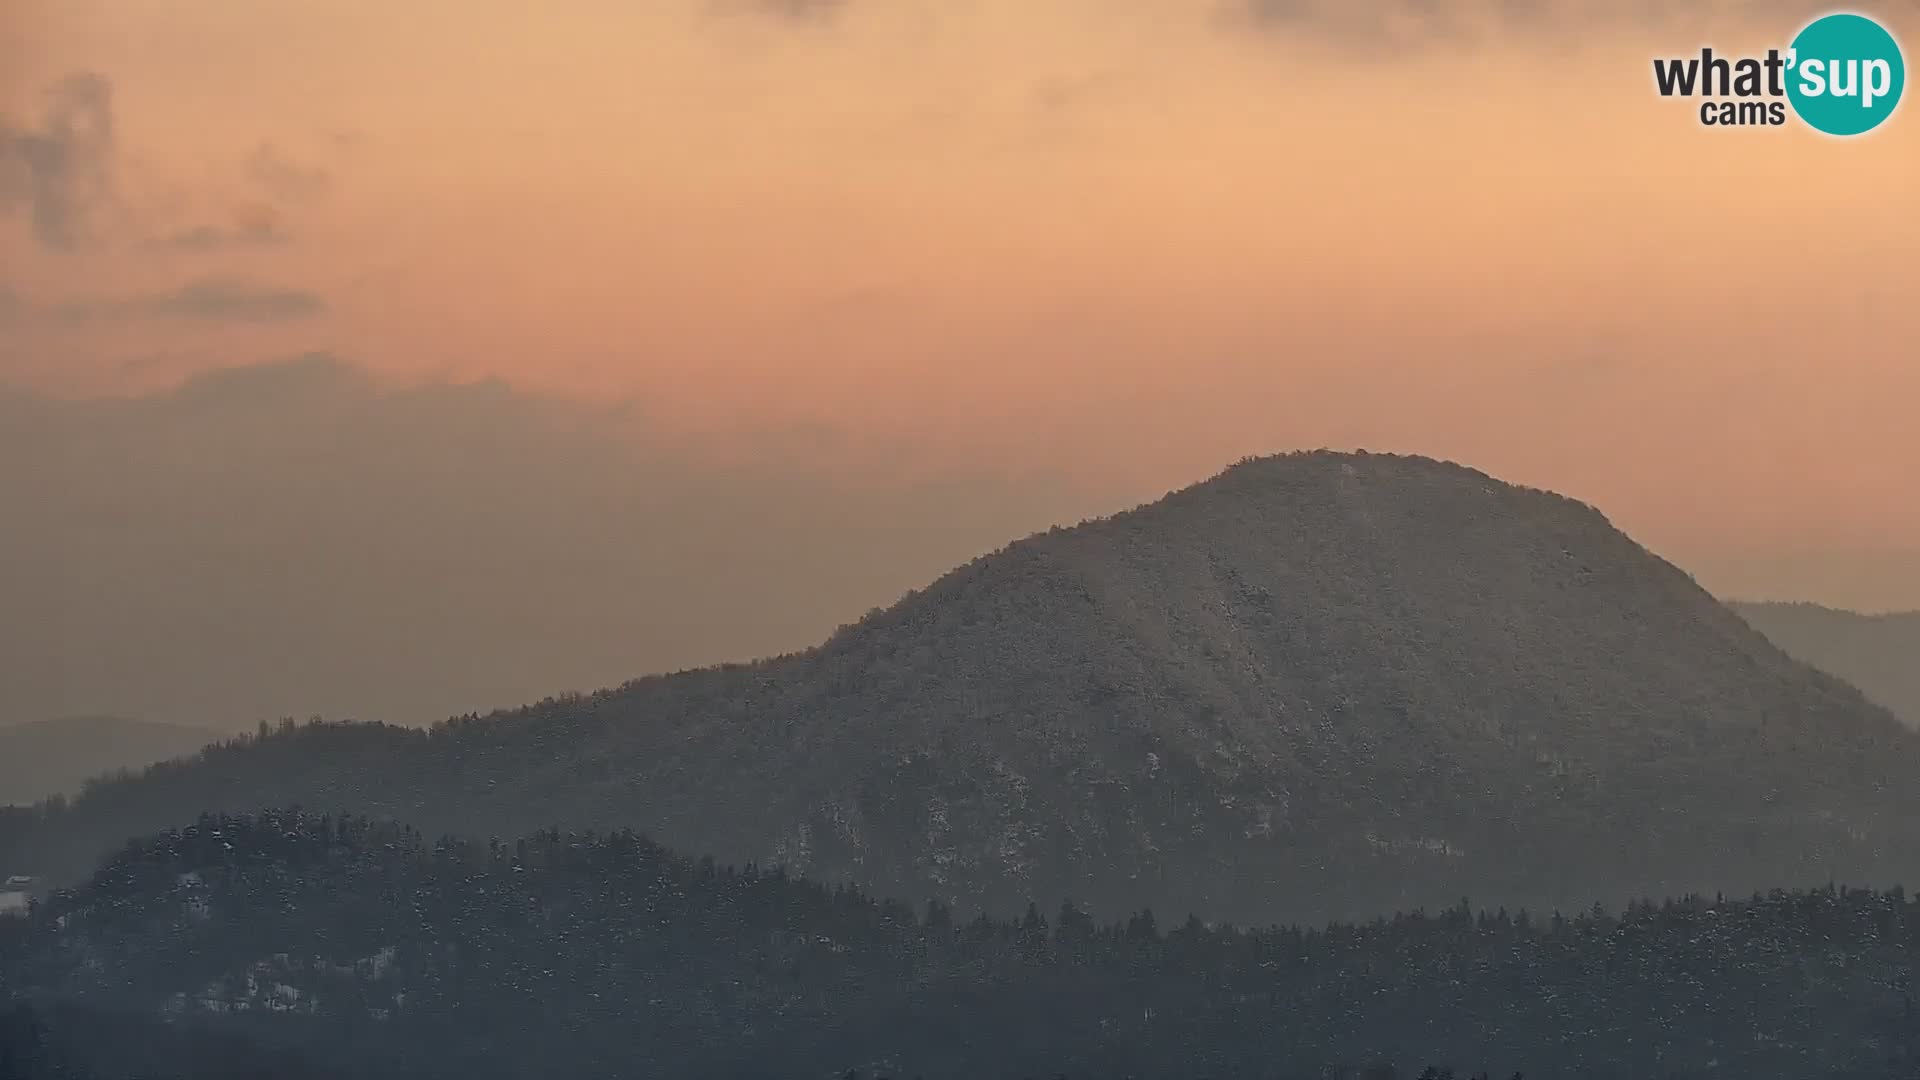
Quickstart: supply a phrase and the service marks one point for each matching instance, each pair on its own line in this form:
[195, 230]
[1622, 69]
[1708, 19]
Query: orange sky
[1133, 239]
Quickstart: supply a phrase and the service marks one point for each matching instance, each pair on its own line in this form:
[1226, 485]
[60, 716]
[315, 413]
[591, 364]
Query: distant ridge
[1316, 685]
[1878, 653]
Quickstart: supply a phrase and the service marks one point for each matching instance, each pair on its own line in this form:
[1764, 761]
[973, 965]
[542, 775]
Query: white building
[15, 894]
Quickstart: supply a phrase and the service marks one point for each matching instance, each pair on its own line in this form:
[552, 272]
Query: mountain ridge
[1879, 653]
[1314, 685]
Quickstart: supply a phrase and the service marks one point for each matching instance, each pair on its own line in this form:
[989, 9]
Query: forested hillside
[365, 949]
[1316, 686]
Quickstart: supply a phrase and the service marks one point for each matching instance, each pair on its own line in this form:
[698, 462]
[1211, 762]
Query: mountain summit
[1315, 685]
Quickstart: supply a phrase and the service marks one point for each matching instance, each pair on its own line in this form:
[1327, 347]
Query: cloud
[254, 225]
[1390, 24]
[802, 9]
[1062, 93]
[794, 11]
[227, 300]
[61, 172]
[311, 376]
[287, 180]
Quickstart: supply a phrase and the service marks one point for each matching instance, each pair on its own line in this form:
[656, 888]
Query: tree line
[363, 947]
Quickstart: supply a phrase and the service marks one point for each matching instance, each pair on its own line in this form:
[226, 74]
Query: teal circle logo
[1845, 74]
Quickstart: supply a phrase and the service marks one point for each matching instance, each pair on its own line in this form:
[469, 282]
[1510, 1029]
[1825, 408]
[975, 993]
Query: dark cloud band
[60, 171]
[214, 300]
